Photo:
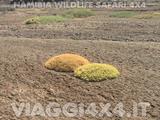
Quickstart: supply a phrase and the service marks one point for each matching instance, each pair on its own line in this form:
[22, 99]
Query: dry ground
[99, 27]
[132, 45]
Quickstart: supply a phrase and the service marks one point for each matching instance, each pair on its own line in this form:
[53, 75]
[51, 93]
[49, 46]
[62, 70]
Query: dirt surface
[132, 45]
[98, 27]
[24, 79]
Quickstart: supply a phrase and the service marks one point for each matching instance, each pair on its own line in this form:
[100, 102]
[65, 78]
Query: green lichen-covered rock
[96, 72]
[32, 21]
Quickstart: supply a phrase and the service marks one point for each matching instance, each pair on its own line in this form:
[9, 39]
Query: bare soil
[132, 45]
[98, 27]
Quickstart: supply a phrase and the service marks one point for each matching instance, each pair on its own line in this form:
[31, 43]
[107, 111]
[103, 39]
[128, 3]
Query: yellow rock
[96, 72]
[65, 62]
